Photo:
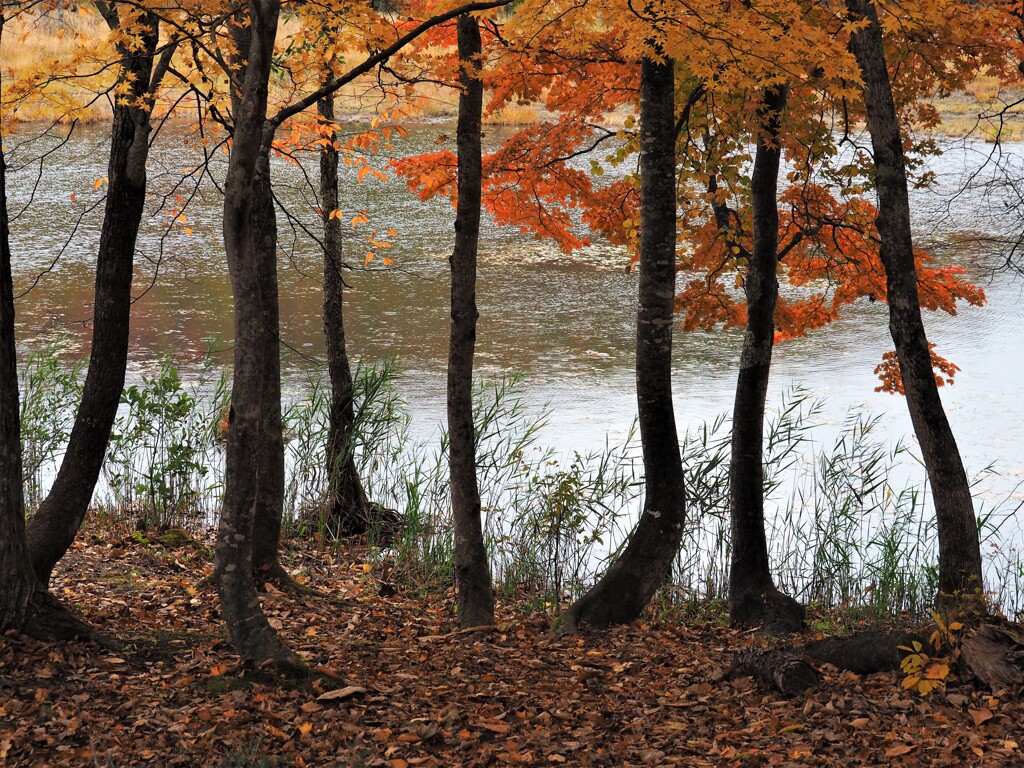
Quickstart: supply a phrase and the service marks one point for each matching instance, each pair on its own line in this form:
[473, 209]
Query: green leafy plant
[156, 466]
[50, 388]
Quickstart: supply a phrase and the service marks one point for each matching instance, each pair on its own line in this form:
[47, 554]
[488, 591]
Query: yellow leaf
[387, 262]
[305, 728]
[791, 728]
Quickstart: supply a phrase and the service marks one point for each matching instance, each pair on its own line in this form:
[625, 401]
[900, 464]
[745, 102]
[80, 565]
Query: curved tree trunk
[631, 582]
[252, 635]
[472, 570]
[347, 510]
[53, 528]
[25, 605]
[960, 574]
[753, 597]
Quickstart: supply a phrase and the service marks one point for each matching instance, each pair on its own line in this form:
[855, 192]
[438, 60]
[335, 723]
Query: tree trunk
[627, 587]
[54, 526]
[269, 510]
[960, 574]
[347, 510]
[252, 635]
[270, 492]
[753, 597]
[472, 571]
[25, 605]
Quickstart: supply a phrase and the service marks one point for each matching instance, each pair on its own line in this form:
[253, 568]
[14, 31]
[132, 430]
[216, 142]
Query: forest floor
[397, 686]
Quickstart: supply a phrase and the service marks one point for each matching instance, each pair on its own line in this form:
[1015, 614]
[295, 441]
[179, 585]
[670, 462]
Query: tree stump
[994, 654]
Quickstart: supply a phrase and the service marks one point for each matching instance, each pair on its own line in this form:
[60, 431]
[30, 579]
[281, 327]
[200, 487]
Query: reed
[850, 523]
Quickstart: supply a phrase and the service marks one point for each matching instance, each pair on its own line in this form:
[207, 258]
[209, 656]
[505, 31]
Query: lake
[565, 321]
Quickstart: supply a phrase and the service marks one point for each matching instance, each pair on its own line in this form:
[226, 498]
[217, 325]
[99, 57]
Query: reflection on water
[566, 321]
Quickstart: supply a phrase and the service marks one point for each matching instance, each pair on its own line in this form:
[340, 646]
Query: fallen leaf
[980, 716]
[341, 693]
[899, 749]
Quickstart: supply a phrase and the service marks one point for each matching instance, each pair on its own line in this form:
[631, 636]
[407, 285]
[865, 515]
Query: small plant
[49, 390]
[155, 466]
[927, 670]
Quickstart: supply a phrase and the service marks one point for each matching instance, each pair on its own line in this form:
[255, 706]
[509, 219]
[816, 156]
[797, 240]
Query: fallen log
[781, 669]
[864, 653]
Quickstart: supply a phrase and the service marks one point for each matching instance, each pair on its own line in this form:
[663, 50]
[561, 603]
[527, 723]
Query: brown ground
[649, 694]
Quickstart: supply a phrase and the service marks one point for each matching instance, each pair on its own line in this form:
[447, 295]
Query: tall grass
[850, 524]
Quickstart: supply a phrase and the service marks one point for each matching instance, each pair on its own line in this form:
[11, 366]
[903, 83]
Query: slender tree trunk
[54, 526]
[269, 444]
[270, 493]
[472, 570]
[252, 635]
[960, 575]
[25, 605]
[347, 510]
[753, 597]
[628, 586]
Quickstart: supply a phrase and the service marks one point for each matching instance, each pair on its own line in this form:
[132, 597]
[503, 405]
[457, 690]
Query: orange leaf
[899, 749]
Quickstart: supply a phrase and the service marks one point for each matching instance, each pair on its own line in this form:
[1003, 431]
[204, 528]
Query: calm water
[565, 321]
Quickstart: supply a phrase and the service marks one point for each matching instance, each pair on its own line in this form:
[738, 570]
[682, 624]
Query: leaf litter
[397, 684]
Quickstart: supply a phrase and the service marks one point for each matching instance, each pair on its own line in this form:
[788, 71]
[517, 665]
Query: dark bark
[960, 574]
[346, 511]
[994, 655]
[472, 570]
[269, 444]
[864, 653]
[267, 525]
[782, 670]
[25, 605]
[252, 635]
[628, 586]
[55, 524]
[753, 598]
